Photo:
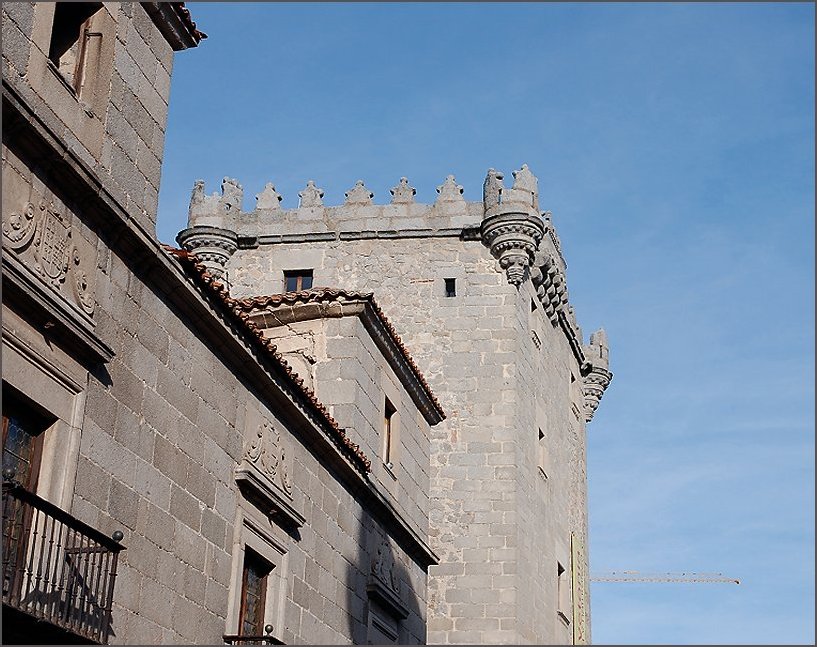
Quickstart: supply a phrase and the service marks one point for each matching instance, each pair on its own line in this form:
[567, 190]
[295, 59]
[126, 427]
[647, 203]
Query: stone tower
[477, 290]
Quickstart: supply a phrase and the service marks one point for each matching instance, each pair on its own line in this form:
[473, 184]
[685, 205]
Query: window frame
[267, 541]
[79, 41]
[389, 433]
[299, 276]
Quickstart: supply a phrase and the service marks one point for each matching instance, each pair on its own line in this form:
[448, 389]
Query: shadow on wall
[384, 605]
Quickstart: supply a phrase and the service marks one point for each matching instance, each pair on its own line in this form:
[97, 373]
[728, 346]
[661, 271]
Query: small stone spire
[311, 196]
[269, 199]
[403, 193]
[450, 191]
[359, 194]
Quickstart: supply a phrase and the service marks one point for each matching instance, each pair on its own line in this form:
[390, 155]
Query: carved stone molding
[19, 227]
[263, 476]
[267, 452]
[513, 239]
[213, 246]
[41, 235]
[383, 583]
[551, 287]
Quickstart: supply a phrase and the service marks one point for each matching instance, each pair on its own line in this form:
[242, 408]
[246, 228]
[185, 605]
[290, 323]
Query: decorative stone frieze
[359, 194]
[597, 379]
[511, 227]
[403, 193]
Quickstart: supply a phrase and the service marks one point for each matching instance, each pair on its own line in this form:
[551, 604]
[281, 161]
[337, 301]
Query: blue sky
[674, 144]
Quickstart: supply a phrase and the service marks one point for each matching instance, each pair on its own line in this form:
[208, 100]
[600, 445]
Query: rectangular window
[253, 594]
[22, 441]
[296, 280]
[542, 454]
[450, 287]
[388, 433]
[70, 36]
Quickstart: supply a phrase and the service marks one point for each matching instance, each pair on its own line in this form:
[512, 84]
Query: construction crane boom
[637, 576]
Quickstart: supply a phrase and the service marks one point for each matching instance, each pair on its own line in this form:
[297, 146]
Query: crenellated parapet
[211, 223]
[512, 227]
[598, 377]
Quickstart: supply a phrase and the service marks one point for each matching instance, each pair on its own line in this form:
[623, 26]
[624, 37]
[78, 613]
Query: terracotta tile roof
[184, 14]
[198, 272]
[338, 294]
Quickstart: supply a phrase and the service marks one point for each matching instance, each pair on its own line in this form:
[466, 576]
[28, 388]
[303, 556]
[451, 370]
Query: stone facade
[478, 292]
[158, 410]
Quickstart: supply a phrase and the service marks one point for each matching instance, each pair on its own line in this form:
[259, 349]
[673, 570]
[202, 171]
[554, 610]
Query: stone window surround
[87, 110]
[253, 530]
[62, 394]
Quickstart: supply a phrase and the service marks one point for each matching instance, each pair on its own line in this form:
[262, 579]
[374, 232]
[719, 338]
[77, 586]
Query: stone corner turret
[598, 376]
[511, 227]
[210, 232]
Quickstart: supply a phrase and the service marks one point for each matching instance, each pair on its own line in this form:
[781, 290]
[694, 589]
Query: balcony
[266, 639]
[58, 572]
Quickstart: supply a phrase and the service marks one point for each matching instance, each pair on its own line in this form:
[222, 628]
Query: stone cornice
[174, 21]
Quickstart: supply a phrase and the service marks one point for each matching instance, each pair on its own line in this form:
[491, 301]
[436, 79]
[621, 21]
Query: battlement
[507, 221]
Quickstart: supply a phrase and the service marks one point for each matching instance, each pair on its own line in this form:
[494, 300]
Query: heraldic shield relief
[40, 236]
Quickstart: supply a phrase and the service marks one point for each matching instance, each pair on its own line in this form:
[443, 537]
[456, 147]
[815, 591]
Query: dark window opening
[532, 305]
[450, 287]
[388, 432]
[296, 280]
[23, 428]
[69, 38]
[253, 594]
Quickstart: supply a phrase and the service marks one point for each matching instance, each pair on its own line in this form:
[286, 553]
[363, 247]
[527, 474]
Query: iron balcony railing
[267, 639]
[56, 568]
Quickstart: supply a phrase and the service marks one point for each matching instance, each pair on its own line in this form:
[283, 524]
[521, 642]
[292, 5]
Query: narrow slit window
[542, 454]
[388, 433]
[297, 280]
[450, 287]
[563, 593]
